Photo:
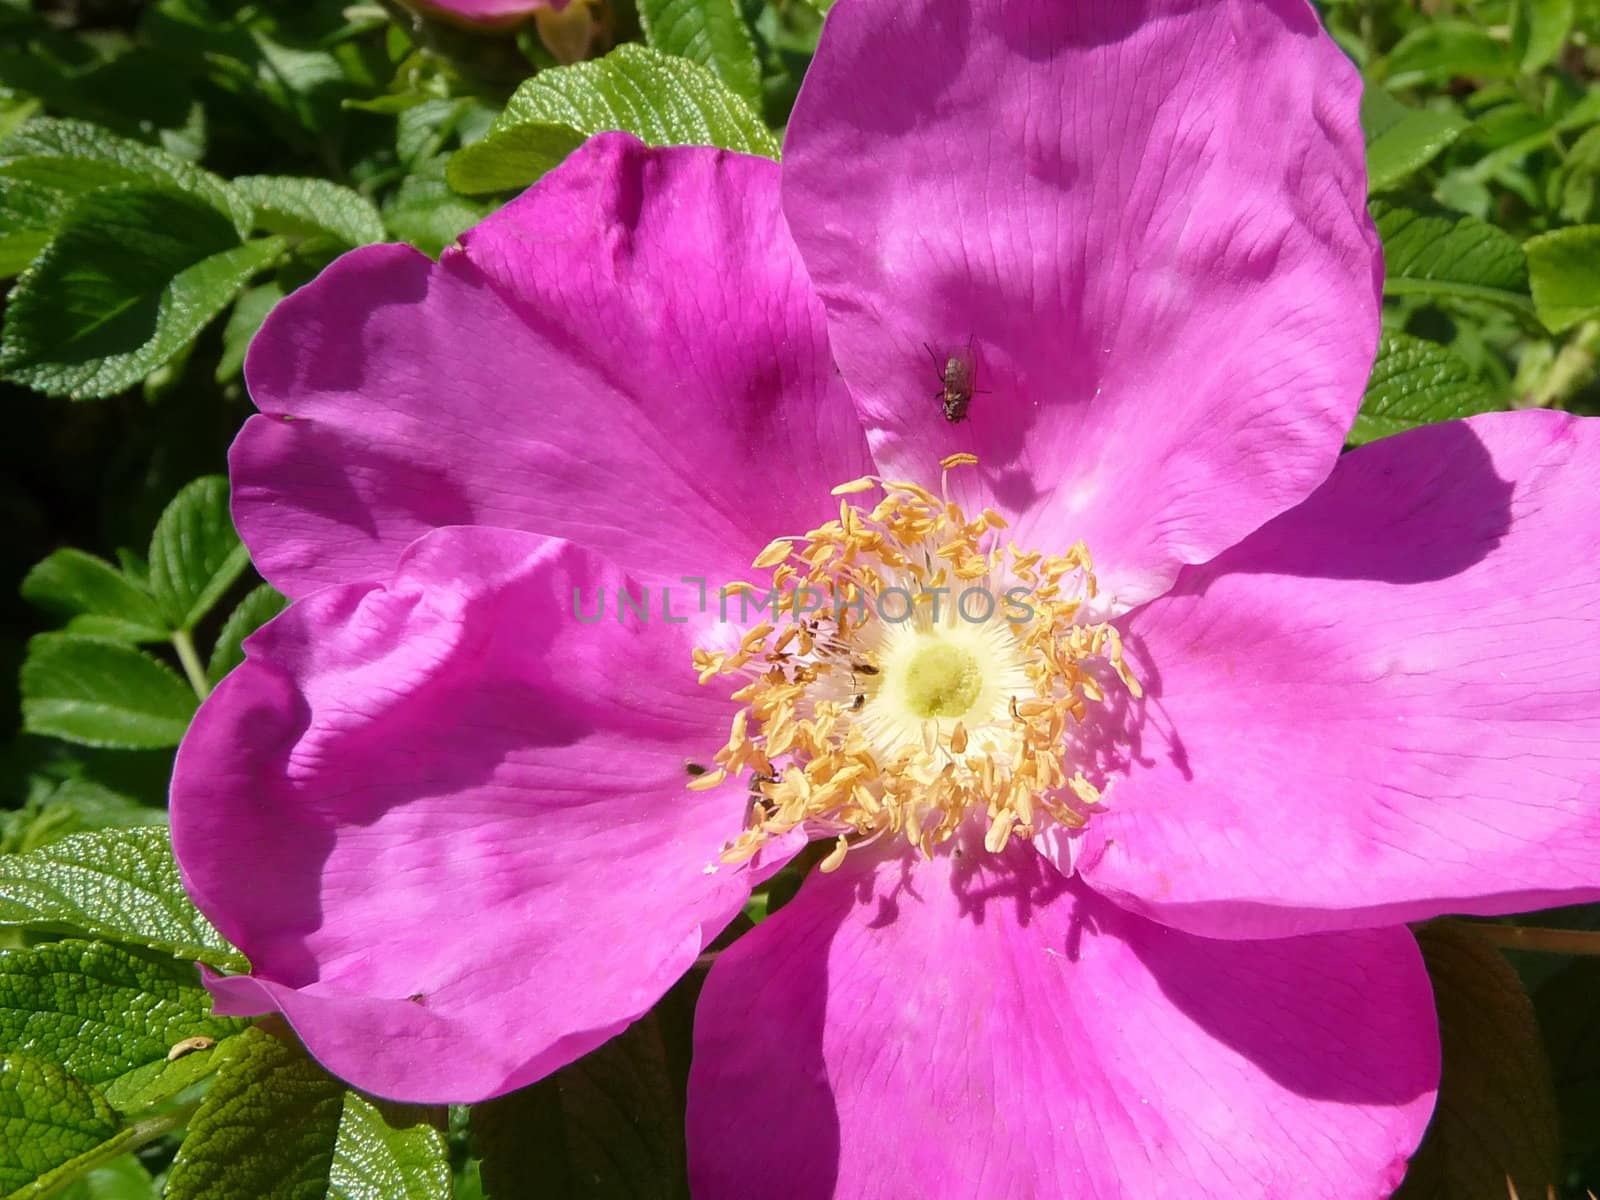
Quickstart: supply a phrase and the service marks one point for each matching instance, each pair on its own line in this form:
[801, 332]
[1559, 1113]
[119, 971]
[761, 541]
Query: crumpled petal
[976, 1027]
[1149, 218]
[1383, 706]
[447, 821]
[628, 356]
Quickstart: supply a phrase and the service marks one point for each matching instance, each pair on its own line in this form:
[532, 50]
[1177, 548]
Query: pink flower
[1120, 906]
[488, 14]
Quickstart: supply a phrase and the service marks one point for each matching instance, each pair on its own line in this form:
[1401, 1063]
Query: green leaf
[1511, 132]
[195, 555]
[661, 100]
[1440, 50]
[711, 33]
[1402, 140]
[1443, 255]
[607, 1127]
[29, 213]
[426, 212]
[1564, 269]
[109, 1016]
[121, 885]
[99, 599]
[1569, 1017]
[422, 130]
[131, 278]
[15, 111]
[1416, 382]
[72, 158]
[249, 311]
[307, 207]
[122, 1178]
[1496, 1116]
[97, 692]
[18, 249]
[254, 611]
[387, 1153]
[1579, 175]
[48, 1119]
[75, 806]
[275, 1126]
[1539, 29]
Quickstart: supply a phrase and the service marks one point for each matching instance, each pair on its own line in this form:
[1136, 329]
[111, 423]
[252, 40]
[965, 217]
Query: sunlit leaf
[1564, 269]
[102, 693]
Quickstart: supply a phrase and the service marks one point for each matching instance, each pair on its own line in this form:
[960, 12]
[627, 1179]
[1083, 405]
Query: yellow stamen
[835, 856]
[776, 551]
[859, 721]
[865, 484]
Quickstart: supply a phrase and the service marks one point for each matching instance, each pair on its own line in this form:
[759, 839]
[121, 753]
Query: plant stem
[1574, 366]
[1535, 938]
[192, 666]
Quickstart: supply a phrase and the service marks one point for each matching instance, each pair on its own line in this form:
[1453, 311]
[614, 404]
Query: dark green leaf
[97, 597]
[121, 885]
[1430, 251]
[1402, 140]
[306, 207]
[48, 1119]
[255, 610]
[275, 1126]
[661, 100]
[1496, 1116]
[1416, 382]
[109, 1016]
[711, 33]
[1564, 268]
[1569, 1016]
[608, 1127]
[98, 692]
[195, 555]
[131, 278]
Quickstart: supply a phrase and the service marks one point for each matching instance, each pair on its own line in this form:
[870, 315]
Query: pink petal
[1384, 705]
[1149, 217]
[973, 1027]
[628, 356]
[448, 823]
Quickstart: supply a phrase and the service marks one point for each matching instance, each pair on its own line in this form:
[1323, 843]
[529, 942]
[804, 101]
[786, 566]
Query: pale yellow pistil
[898, 709]
[941, 679]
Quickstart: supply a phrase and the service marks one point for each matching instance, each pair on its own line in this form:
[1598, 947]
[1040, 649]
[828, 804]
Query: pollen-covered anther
[913, 675]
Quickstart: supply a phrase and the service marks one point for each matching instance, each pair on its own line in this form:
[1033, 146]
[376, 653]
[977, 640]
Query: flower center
[914, 674]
